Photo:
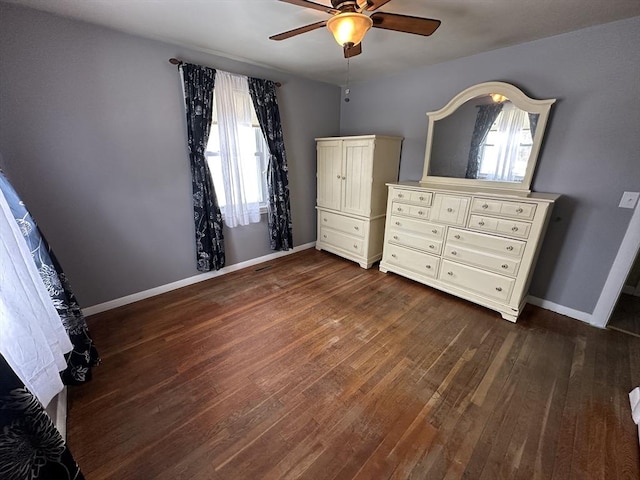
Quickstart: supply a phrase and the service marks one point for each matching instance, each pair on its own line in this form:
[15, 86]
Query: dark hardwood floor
[311, 367]
[626, 315]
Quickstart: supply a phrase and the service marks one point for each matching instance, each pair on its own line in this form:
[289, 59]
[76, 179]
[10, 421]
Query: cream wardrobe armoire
[352, 194]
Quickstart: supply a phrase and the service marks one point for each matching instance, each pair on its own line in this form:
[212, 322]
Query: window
[237, 153]
[506, 149]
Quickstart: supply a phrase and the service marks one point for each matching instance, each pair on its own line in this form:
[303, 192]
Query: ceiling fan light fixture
[349, 28]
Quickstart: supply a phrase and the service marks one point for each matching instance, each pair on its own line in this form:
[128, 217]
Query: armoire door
[357, 172]
[329, 174]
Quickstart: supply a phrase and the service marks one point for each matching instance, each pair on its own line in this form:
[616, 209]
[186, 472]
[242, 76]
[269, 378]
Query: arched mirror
[488, 135]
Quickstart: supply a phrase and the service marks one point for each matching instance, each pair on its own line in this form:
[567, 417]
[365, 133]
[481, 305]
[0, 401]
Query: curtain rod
[176, 62]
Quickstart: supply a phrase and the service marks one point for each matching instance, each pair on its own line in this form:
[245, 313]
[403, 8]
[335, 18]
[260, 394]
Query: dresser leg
[511, 318]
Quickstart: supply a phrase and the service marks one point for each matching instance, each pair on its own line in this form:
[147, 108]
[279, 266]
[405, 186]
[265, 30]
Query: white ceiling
[240, 29]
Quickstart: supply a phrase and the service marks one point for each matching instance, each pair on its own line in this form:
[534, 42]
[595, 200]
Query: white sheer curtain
[237, 149]
[33, 340]
[505, 161]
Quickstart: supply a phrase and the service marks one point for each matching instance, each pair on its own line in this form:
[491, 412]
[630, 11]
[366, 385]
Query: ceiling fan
[349, 25]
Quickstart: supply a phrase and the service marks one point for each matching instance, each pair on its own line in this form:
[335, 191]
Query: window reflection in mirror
[487, 136]
[484, 140]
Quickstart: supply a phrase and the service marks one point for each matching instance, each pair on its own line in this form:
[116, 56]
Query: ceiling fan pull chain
[347, 90]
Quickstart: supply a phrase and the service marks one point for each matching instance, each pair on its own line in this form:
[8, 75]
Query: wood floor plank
[312, 367]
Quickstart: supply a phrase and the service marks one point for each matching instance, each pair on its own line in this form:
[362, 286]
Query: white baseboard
[561, 309]
[119, 302]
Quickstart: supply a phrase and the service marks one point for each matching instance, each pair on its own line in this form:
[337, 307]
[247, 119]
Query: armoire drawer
[486, 284]
[512, 228]
[429, 245]
[418, 262]
[482, 241]
[340, 240]
[490, 206]
[488, 261]
[410, 210]
[345, 224]
[417, 226]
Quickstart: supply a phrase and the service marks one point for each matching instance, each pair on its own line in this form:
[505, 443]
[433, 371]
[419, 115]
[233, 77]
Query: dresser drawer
[421, 198]
[489, 206]
[511, 228]
[415, 241]
[418, 262]
[450, 209]
[410, 210]
[495, 263]
[486, 284]
[340, 222]
[340, 240]
[409, 224]
[490, 243]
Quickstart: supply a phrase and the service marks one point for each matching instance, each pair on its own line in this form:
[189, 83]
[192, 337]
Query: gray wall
[92, 135]
[591, 152]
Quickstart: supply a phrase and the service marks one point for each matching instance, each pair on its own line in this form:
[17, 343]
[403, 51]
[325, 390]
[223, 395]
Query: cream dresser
[472, 227]
[351, 203]
[477, 245]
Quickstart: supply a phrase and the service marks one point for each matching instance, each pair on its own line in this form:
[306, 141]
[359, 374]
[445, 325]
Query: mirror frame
[518, 98]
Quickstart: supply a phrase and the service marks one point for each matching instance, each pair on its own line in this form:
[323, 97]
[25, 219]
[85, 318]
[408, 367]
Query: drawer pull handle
[510, 248]
[324, 236]
[434, 231]
[485, 206]
[394, 255]
[428, 267]
[355, 245]
[344, 178]
[457, 237]
[432, 247]
[422, 199]
[499, 289]
[356, 228]
[398, 223]
[450, 274]
[420, 212]
[449, 209]
[519, 210]
[400, 195]
[338, 176]
[324, 219]
[504, 265]
[399, 209]
[514, 229]
[453, 252]
[481, 223]
[395, 237]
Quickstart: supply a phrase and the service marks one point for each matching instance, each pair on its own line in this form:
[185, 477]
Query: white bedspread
[32, 337]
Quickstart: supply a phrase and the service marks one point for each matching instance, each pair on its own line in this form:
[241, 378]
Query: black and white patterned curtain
[84, 355]
[487, 114]
[533, 123]
[198, 82]
[31, 448]
[263, 94]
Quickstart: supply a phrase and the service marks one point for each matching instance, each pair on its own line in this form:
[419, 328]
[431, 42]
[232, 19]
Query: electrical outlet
[629, 200]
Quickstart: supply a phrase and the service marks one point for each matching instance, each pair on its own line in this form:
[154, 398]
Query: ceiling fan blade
[298, 31]
[352, 51]
[405, 23]
[315, 6]
[372, 5]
